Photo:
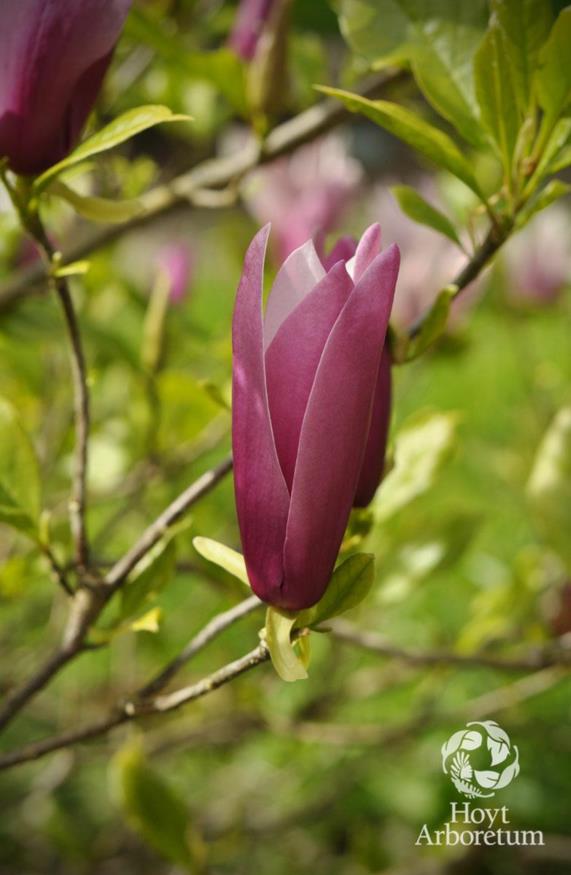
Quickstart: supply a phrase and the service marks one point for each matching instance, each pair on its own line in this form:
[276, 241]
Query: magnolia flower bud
[53, 57]
[306, 382]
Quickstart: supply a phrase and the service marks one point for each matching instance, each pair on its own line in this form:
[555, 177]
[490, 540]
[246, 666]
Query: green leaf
[553, 78]
[438, 37]
[149, 577]
[554, 190]
[288, 663]
[549, 485]
[553, 156]
[19, 474]
[431, 142]
[419, 210]
[496, 94]
[97, 209]
[423, 447]
[151, 806]
[121, 129]
[525, 26]
[432, 327]
[223, 556]
[350, 584]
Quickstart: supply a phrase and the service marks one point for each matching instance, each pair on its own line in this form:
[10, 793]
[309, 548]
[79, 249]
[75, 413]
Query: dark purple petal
[343, 250]
[53, 56]
[297, 276]
[292, 359]
[250, 20]
[374, 458]
[262, 497]
[334, 434]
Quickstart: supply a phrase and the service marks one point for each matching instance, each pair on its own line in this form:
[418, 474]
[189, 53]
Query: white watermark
[479, 759]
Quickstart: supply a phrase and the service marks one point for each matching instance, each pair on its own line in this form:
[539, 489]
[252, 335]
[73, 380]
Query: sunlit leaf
[19, 474]
[123, 128]
[553, 79]
[431, 328]
[149, 622]
[225, 557]
[431, 142]
[285, 655]
[423, 446]
[496, 93]
[525, 26]
[419, 210]
[553, 191]
[438, 38]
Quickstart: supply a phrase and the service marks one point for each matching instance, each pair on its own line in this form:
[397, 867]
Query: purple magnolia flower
[251, 17]
[53, 56]
[176, 263]
[310, 399]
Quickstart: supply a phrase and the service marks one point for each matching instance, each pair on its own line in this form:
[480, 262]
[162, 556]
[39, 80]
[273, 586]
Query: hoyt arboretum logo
[479, 760]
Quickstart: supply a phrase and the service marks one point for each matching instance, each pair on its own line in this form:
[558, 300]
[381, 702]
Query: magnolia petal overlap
[311, 404]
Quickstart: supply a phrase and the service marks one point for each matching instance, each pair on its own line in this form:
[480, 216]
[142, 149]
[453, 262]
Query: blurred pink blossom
[251, 16]
[430, 261]
[538, 259]
[305, 195]
[176, 263]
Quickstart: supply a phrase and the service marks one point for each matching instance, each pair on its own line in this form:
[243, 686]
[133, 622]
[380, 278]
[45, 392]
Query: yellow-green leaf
[223, 556]
[149, 622]
[554, 190]
[419, 210]
[553, 79]
[97, 209]
[431, 142]
[496, 93]
[288, 663]
[123, 128]
[432, 327]
[423, 446]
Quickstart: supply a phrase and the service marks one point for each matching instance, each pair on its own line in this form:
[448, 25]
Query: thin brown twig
[136, 709]
[212, 629]
[532, 660]
[81, 403]
[89, 600]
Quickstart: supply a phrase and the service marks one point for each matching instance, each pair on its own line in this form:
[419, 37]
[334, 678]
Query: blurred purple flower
[433, 261]
[538, 259]
[175, 262]
[251, 17]
[53, 57]
[304, 196]
[311, 396]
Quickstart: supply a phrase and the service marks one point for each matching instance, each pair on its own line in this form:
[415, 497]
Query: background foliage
[335, 774]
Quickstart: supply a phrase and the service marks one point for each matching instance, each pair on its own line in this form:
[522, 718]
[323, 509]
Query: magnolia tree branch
[137, 708]
[531, 660]
[195, 187]
[90, 599]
